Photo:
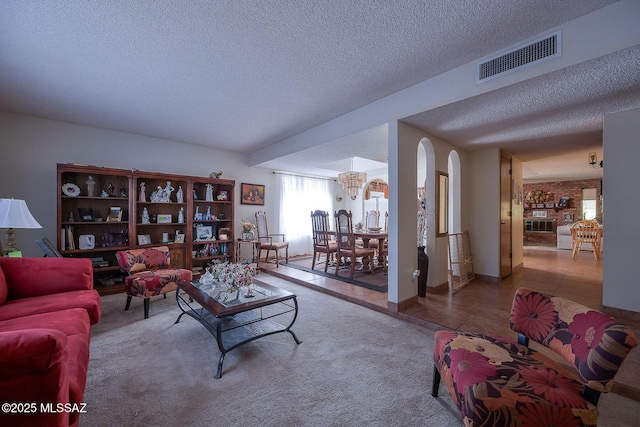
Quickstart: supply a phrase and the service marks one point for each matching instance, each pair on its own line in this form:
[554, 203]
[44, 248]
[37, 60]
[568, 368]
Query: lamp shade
[14, 213]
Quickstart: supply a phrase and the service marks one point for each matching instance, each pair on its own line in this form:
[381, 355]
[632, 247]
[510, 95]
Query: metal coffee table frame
[235, 325]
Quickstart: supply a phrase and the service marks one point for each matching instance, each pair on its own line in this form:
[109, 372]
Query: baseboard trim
[438, 289]
[619, 312]
[402, 305]
[488, 279]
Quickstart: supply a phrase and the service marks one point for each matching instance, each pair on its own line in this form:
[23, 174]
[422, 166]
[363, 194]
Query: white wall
[621, 206]
[31, 147]
[484, 211]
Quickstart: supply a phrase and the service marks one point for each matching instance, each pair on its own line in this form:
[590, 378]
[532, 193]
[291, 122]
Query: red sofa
[47, 307]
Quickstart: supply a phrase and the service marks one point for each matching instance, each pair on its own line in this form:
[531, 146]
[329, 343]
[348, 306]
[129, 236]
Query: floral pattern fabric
[148, 275]
[151, 283]
[496, 381]
[135, 260]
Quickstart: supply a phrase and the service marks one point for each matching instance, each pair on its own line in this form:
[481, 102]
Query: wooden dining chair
[346, 243]
[267, 242]
[322, 242]
[372, 220]
[373, 217]
[586, 232]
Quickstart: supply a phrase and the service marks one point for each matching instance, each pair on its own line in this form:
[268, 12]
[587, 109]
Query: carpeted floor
[355, 367]
[364, 279]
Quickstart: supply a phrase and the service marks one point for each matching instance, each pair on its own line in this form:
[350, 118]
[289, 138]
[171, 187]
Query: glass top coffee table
[236, 318]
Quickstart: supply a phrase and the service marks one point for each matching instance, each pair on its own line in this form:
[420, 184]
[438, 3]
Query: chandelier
[352, 181]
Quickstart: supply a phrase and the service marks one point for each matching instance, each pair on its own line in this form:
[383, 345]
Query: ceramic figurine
[91, 187]
[143, 192]
[166, 197]
[145, 216]
[209, 194]
[180, 195]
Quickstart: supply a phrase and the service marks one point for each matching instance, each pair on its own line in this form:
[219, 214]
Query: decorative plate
[70, 189]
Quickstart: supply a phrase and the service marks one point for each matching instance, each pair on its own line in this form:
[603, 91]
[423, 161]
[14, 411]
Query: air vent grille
[540, 50]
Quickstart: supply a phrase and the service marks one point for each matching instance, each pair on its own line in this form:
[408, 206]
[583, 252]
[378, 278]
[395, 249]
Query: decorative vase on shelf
[423, 266]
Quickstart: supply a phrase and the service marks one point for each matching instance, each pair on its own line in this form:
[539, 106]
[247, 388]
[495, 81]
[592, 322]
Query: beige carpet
[355, 367]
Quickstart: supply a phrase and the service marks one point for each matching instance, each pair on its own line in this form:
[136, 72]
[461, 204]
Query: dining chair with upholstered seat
[267, 241]
[372, 220]
[346, 243]
[586, 232]
[322, 242]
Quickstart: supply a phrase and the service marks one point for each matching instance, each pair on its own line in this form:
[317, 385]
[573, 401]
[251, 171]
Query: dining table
[368, 235]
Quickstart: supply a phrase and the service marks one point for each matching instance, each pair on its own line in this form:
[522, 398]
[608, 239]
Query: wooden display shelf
[93, 180]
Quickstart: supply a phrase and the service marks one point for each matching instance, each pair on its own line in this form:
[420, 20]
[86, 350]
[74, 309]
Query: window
[299, 196]
[589, 203]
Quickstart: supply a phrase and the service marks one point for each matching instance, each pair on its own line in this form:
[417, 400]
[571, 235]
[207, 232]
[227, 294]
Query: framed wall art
[204, 232]
[164, 219]
[252, 194]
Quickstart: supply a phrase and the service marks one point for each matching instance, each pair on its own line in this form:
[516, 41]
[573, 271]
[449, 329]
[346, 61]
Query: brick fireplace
[567, 189]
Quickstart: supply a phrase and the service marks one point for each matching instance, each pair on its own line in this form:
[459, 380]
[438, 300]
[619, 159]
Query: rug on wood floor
[376, 282]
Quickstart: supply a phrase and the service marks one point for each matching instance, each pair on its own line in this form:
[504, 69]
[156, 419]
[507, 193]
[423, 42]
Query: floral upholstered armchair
[148, 275]
[497, 381]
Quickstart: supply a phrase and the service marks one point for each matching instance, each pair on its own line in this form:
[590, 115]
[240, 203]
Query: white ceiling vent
[520, 57]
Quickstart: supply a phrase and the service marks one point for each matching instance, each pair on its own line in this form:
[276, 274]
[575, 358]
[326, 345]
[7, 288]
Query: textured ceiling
[242, 75]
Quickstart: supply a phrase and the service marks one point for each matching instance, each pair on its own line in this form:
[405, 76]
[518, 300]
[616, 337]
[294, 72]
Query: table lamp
[14, 213]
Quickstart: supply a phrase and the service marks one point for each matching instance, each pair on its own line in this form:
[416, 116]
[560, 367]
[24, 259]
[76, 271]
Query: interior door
[505, 215]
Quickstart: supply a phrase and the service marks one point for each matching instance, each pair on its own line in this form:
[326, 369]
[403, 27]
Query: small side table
[255, 249]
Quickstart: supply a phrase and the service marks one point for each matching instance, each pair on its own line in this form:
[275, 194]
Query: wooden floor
[483, 306]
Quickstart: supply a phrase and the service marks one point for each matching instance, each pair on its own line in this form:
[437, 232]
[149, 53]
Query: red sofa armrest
[33, 369]
[30, 277]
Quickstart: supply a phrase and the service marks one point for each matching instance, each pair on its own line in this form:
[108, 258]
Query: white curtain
[299, 196]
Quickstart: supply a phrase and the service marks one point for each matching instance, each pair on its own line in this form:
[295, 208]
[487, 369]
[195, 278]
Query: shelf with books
[93, 216]
[212, 213]
[160, 210]
[105, 210]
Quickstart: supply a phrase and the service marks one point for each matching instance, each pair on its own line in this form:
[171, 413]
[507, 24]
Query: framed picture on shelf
[179, 238]
[115, 214]
[86, 214]
[224, 234]
[164, 219]
[252, 194]
[144, 239]
[564, 202]
[204, 232]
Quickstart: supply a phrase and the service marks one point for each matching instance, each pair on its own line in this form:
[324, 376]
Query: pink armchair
[148, 275]
[497, 381]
